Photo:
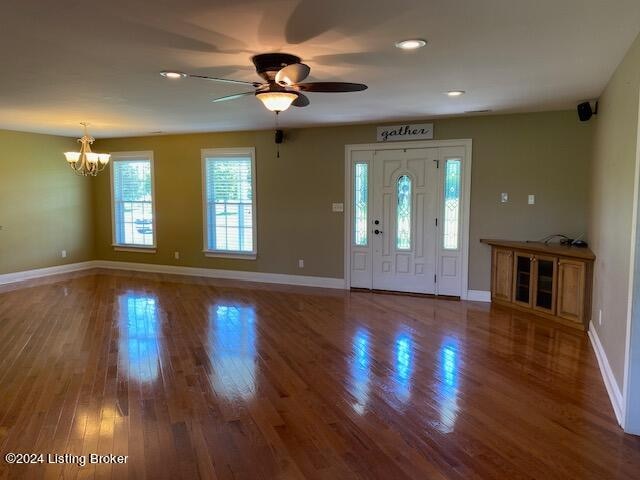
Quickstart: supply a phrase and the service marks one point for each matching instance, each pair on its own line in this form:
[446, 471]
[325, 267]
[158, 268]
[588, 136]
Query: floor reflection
[139, 336]
[403, 366]
[360, 370]
[232, 350]
[447, 387]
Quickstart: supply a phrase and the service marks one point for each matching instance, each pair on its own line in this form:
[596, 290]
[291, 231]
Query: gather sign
[417, 131]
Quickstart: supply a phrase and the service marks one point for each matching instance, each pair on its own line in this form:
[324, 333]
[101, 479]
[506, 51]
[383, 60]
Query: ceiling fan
[282, 74]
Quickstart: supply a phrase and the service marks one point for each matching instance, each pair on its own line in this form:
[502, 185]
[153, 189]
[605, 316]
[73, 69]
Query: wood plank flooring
[198, 378]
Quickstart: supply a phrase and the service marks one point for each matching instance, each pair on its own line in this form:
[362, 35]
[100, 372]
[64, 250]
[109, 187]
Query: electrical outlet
[63, 254]
[337, 207]
[504, 197]
[300, 263]
[532, 200]
[176, 255]
[600, 317]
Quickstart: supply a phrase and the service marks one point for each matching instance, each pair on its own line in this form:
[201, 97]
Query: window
[229, 202]
[451, 203]
[360, 204]
[133, 207]
[403, 234]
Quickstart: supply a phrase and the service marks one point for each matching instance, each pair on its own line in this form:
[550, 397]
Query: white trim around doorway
[467, 143]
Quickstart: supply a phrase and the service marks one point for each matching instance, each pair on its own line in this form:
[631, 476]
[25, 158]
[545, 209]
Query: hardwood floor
[195, 378]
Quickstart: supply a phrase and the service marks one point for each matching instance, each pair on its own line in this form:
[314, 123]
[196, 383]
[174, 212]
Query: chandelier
[85, 162]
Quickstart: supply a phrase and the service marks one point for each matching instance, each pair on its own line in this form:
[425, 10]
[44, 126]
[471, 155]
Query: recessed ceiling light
[455, 93]
[173, 74]
[411, 44]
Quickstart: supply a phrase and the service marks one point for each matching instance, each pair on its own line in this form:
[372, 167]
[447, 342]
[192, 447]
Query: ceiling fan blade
[225, 80]
[232, 97]
[330, 87]
[301, 101]
[292, 74]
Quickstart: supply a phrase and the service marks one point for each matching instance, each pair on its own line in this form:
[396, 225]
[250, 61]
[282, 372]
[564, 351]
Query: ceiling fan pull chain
[277, 144]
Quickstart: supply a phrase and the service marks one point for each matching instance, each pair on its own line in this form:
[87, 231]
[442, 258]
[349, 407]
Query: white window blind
[229, 203]
[132, 181]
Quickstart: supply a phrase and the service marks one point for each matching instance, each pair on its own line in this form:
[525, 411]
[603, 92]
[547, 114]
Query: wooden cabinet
[522, 270]
[502, 274]
[552, 281]
[571, 281]
[545, 279]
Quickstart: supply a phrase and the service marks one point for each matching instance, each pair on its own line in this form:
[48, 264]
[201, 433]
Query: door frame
[467, 143]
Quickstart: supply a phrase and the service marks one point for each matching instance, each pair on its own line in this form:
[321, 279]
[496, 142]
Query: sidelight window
[451, 203]
[360, 203]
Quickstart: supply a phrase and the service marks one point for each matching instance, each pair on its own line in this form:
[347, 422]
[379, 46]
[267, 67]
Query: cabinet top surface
[537, 247]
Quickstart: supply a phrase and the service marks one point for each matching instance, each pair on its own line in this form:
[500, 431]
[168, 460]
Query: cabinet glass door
[545, 279]
[522, 286]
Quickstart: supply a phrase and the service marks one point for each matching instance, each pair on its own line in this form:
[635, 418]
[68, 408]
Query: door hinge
[436, 222]
[437, 163]
[435, 278]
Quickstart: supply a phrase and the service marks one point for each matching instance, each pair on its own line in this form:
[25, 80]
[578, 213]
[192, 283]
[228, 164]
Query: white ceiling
[68, 61]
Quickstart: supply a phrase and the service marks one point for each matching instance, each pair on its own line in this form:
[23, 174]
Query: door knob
[377, 232]
[377, 222]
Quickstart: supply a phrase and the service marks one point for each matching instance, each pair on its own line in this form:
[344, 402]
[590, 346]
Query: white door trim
[467, 143]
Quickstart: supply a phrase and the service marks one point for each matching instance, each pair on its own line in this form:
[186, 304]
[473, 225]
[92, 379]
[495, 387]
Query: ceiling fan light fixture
[277, 101]
[411, 44]
[173, 75]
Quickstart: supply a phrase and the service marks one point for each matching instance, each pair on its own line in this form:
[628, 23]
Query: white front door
[404, 201]
[406, 211]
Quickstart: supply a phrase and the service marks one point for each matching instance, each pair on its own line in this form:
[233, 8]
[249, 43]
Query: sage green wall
[44, 207]
[611, 205]
[546, 154]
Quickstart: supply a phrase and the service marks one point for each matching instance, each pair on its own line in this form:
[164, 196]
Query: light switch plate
[337, 207]
[532, 199]
[504, 197]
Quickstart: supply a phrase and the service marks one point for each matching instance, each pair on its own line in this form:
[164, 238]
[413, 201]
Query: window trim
[229, 152]
[127, 247]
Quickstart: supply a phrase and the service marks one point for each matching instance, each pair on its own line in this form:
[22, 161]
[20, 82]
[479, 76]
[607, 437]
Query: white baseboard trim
[14, 277]
[284, 279]
[478, 296]
[615, 394]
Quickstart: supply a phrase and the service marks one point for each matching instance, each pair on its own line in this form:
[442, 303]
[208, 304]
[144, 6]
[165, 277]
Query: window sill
[134, 248]
[238, 256]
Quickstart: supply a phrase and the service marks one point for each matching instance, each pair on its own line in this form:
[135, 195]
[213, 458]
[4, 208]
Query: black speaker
[584, 111]
[279, 136]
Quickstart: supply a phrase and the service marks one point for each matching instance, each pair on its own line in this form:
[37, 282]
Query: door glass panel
[451, 203]
[544, 286]
[403, 240]
[360, 203]
[523, 278]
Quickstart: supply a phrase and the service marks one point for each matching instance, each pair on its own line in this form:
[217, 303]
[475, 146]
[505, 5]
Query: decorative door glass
[360, 204]
[403, 223]
[451, 203]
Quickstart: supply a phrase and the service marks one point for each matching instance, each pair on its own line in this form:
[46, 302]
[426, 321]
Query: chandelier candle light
[85, 162]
